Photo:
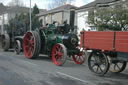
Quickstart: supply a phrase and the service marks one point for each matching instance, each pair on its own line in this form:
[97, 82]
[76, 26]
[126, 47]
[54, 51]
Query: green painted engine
[58, 42]
[52, 35]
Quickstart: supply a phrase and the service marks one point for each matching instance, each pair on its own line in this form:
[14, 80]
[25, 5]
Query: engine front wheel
[59, 54]
[31, 45]
[17, 47]
[98, 63]
[80, 58]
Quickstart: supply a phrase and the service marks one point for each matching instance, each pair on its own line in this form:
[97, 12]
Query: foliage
[83, 29]
[17, 24]
[111, 18]
[35, 19]
[22, 22]
[35, 9]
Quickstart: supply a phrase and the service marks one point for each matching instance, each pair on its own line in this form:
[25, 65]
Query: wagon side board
[121, 42]
[105, 40]
[98, 40]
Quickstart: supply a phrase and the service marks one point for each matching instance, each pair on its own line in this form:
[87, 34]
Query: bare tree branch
[57, 3]
[16, 3]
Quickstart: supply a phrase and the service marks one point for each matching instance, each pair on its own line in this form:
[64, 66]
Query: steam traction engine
[13, 40]
[55, 41]
[109, 50]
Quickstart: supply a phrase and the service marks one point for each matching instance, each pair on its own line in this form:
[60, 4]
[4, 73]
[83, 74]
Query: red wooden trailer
[109, 50]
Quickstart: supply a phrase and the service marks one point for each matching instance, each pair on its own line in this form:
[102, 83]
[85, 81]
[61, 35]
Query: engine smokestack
[72, 17]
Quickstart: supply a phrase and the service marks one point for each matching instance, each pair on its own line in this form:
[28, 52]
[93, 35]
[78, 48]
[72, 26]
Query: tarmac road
[18, 70]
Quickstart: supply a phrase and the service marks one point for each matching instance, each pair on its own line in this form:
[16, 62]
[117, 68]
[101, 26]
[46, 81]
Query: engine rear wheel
[5, 42]
[59, 54]
[31, 45]
[98, 63]
[80, 58]
[118, 66]
[17, 47]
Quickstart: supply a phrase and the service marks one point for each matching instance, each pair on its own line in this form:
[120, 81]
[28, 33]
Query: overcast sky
[43, 4]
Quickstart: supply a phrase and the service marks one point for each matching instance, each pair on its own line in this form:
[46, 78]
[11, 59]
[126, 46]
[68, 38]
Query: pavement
[18, 70]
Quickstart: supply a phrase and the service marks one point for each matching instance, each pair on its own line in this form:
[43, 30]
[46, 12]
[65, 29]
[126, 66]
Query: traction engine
[58, 42]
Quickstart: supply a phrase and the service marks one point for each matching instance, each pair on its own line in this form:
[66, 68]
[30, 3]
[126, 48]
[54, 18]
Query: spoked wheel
[98, 63]
[80, 58]
[31, 45]
[117, 66]
[17, 47]
[5, 42]
[59, 54]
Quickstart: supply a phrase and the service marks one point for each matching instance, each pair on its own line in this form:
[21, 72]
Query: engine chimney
[72, 17]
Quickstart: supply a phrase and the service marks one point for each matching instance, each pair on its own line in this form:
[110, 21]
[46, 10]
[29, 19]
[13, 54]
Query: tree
[22, 21]
[17, 24]
[57, 3]
[16, 3]
[111, 18]
[35, 10]
[35, 19]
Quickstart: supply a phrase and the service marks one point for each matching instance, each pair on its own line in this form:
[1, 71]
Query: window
[93, 29]
[53, 18]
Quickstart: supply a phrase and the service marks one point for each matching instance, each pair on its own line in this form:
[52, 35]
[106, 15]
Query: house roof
[15, 9]
[2, 8]
[58, 9]
[94, 3]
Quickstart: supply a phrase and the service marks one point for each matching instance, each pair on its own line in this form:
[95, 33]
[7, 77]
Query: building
[2, 9]
[59, 14]
[83, 12]
[9, 12]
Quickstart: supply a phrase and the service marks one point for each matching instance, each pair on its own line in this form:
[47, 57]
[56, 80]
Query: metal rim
[59, 54]
[32, 44]
[80, 58]
[118, 66]
[98, 63]
[29, 44]
[17, 47]
[5, 42]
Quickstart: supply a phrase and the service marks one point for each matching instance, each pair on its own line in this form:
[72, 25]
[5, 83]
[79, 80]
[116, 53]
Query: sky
[43, 4]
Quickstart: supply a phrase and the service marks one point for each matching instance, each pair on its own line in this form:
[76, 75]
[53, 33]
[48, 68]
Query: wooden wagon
[109, 50]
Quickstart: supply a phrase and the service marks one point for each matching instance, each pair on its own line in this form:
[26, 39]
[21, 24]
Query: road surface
[18, 70]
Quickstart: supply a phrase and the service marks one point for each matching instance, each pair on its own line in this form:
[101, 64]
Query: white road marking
[28, 62]
[75, 78]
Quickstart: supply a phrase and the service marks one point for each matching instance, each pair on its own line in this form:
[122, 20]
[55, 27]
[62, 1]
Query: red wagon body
[107, 41]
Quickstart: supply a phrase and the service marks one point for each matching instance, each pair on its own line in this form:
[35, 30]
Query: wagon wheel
[118, 66]
[59, 54]
[17, 47]
[5, 42]
[98, 63]
[80, 58]
[32, 45]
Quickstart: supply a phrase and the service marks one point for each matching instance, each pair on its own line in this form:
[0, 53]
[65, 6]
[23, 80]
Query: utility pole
[30, 18]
